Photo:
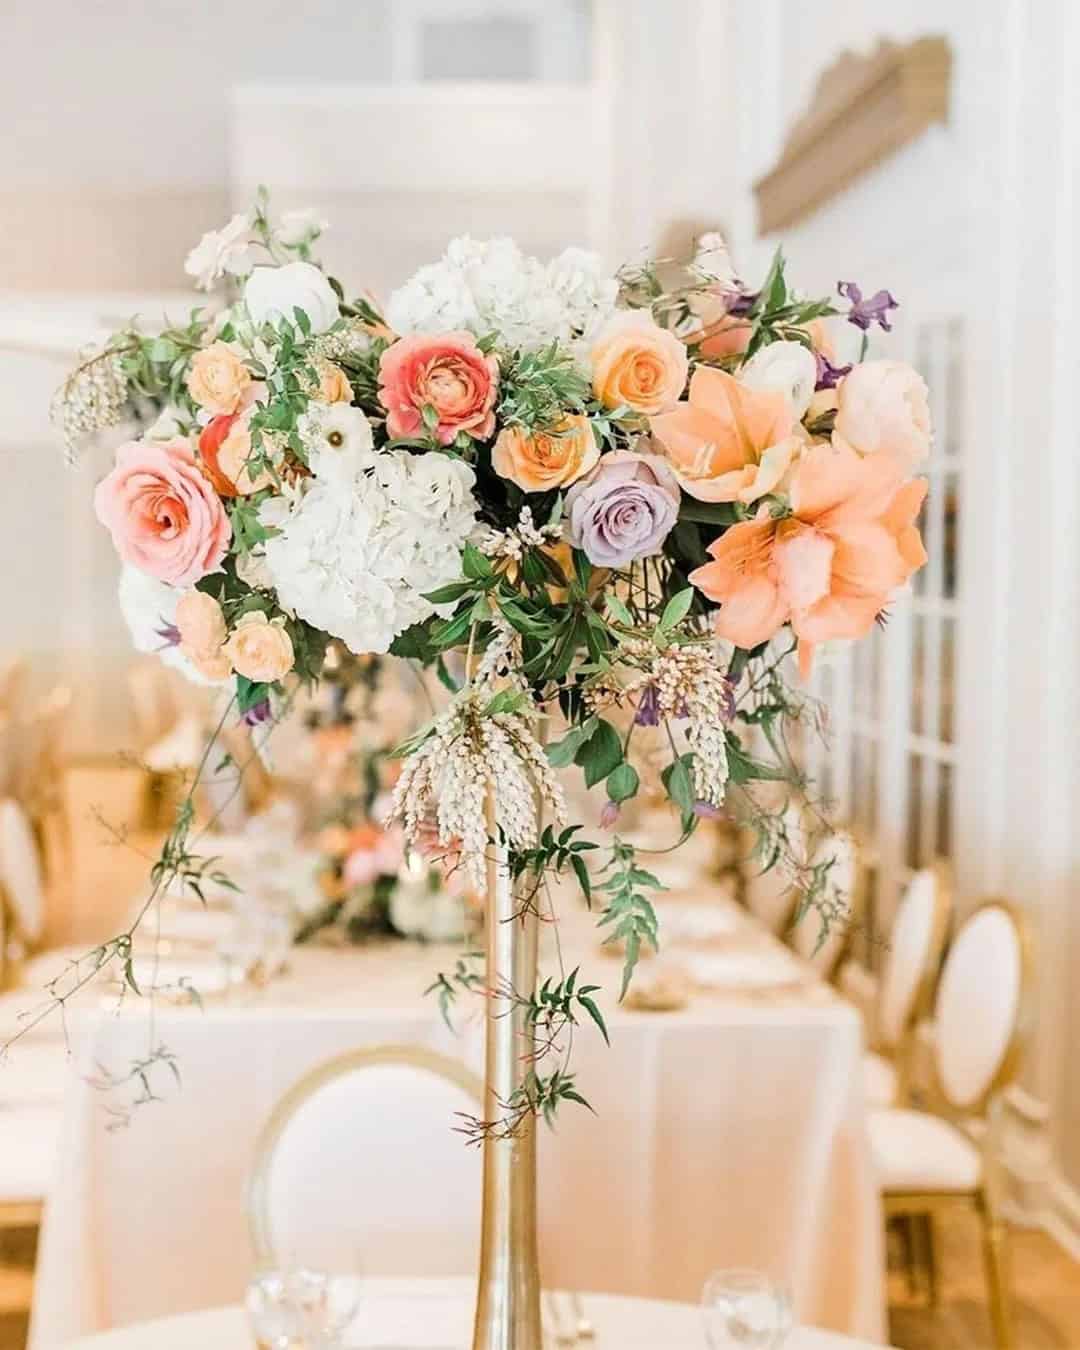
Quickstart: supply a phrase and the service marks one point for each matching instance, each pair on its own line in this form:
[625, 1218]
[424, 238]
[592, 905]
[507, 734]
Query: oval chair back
[20, 873]
[360, 1169]
[914, 953]
[980, 1007]
[821, 935]
[769, 895]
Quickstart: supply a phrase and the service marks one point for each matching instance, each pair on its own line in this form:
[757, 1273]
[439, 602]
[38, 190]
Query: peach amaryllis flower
[725, 441]
[831, 566]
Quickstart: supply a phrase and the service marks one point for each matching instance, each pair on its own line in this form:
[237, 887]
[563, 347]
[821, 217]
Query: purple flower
[740, 303]
[168, 633]
[648, 708]
[863, 313]
[706, 811]
[609, 815]
[624, 510]
[258, 713]
[828, 375]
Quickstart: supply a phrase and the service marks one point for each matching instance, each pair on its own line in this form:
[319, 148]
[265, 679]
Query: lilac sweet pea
[624, 510]
[864, 313]
[828, 375]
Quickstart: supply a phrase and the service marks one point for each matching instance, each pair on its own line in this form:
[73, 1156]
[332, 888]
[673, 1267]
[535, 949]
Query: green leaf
[302, 321]
[249, 693]
[561, 753]
[601, 753]
[743, 768]
[618, 610]
[446, 595]
[596, 1015]
[679, 783]
[474, 564]
[676, 609]
[708, 513]
[622, 782]
[577, 862]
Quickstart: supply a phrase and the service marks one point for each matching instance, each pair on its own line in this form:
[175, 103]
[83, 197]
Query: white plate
[695, 921]
[178, 978]
[742, 970]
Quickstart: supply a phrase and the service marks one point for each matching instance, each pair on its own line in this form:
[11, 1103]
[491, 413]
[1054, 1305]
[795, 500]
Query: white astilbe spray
[688, 685]
[471, 745]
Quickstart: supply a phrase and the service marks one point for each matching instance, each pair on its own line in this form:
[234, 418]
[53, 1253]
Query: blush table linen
[729, 1133]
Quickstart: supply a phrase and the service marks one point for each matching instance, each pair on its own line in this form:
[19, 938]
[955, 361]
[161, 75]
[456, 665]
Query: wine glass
[743, 1309]
[300, 1309]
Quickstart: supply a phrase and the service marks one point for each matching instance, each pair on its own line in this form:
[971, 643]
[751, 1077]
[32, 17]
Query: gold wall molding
[864, 108]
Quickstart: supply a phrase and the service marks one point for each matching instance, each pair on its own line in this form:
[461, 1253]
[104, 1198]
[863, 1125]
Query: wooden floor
[106, 876]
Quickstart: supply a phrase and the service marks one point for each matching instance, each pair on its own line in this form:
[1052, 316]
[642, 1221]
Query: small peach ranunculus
[883, 408]
[727, 336]
[637, 364]
[727, 442]
[164, 516]
[202, 634]
[218, 379]
[828, 569]
[446, 372]
[546, 460]
[260, 649]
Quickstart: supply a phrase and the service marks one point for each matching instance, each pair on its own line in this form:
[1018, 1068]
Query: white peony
[356, 558]
[222, 251]
[275, 293]
[302, 226]
[490, 286]
[149, 610]
[788, 368]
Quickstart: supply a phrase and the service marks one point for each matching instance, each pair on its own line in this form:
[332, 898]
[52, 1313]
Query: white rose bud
[788, 368]
[275, 293]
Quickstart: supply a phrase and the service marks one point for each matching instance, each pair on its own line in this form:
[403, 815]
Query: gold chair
[932, 1161]
[41, 781]
[357, 1150]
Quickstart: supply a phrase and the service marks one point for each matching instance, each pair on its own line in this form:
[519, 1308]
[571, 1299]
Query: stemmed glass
[744, 1310]
[300, 1309]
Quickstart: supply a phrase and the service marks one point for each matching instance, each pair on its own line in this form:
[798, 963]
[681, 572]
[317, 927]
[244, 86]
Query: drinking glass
[300, 1309]
[744, 1310]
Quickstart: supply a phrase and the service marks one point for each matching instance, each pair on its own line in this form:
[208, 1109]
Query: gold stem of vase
[508, 1296]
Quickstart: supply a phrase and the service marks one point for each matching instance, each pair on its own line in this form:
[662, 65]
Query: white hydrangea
[149, 609]
[356, 556]
[490, 286]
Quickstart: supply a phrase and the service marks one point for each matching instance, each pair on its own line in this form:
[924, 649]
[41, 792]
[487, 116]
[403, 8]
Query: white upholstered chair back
[979, 1009]
[818, 939]
[914, 949]
[360, 1168]
[770, 895]
[20, 872]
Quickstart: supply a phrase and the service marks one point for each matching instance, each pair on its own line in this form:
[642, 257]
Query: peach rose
[334, 386]
[202, 634]
[446, 372]
[164, 517]
[546, 460]
[232, 457]
[217, 378]
[260, 649]
[883, 408]
[729, 336]
[637, 363]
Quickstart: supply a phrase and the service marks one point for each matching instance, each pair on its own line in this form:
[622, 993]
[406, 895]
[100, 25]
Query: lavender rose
[624, 510]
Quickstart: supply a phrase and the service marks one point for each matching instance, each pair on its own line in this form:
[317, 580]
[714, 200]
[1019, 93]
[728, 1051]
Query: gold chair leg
[929, 1247]
[995, 1255]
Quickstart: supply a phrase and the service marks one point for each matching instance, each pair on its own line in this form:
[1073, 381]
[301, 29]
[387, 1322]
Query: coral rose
[217, 378]
[831, 567]
[446, 372]
[260, 649]
[728, 442]
[883, 408]
[638, 364]
[162, 513]
[546, 460]
[202, 629]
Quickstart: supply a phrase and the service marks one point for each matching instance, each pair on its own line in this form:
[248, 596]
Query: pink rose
[446, 372]
[164, 516]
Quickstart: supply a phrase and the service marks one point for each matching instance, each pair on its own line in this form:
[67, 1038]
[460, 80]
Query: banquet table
[435, 1315]
[728, 1133]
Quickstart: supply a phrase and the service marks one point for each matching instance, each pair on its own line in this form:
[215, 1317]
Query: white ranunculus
[218, 252]
[788, 368]
[275, 293]
[713, 261]
[302, 226]
[149, 610]
[337, 438]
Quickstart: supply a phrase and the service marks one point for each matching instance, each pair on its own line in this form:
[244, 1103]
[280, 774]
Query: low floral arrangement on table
[627, 499]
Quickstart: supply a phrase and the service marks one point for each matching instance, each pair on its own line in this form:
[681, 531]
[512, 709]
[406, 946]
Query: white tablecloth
[437, 1316]
[727, 1134]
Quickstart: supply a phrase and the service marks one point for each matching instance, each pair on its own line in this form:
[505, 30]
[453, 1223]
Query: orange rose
[546, 460]
[638, 364]
[218, 378]
[260, 649]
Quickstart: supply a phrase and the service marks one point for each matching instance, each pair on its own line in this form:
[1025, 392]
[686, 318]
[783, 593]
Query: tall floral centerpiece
[623, 500]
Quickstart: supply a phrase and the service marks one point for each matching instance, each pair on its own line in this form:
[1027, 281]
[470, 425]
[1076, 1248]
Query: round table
[437, 1315]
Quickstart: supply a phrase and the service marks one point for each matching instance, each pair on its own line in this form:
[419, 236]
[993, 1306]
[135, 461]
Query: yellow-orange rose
[232, 457]
[259, 649]
[546, 460]
[637, 363]
[218, 378]
[202, 634]
[334, 386]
